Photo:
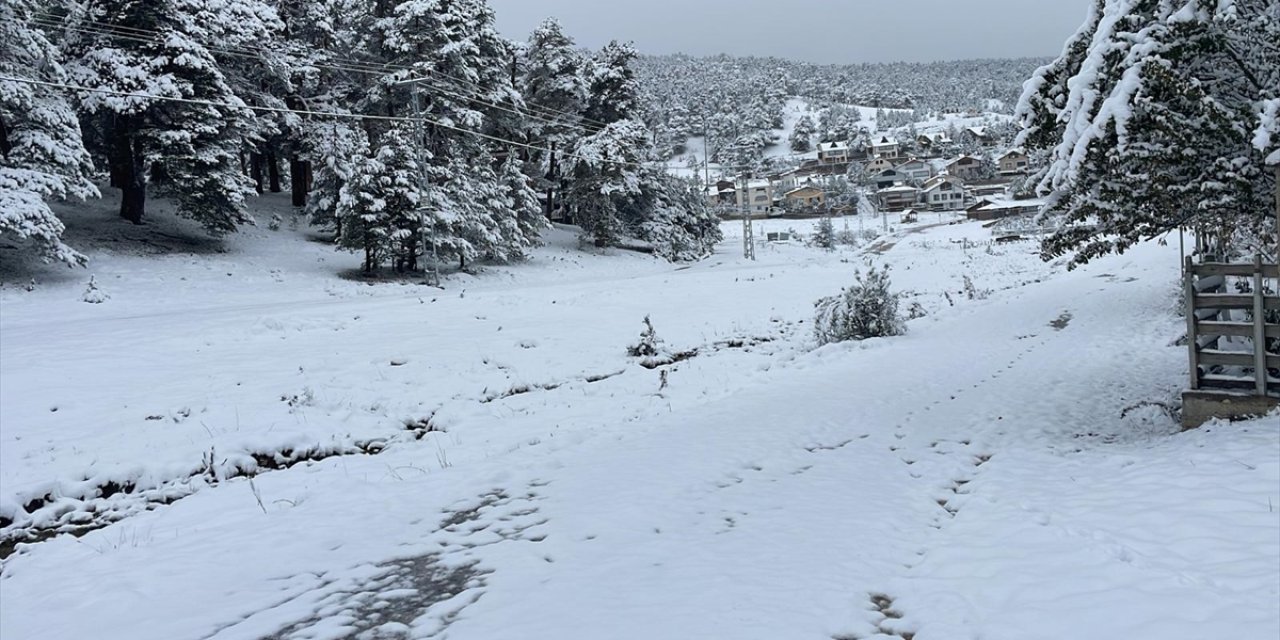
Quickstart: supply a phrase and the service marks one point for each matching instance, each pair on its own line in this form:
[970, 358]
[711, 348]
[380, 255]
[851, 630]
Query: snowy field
[254, 444]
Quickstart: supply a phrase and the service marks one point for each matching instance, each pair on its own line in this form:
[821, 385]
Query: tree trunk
[552, 170]
[273, 170]
[255, 170]
[127, 171]
[5, 146]
[300, 178]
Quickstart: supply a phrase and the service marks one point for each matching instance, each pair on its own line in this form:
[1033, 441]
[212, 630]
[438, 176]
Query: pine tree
[42, 155]
[824, 235]
[1149, 121]
[334, 149]
[380, 210]
[522, 202]
[194, 146]
[554, 84]
[802, 134]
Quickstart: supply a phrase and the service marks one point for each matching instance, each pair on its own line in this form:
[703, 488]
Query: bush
[867, 309]
[824, 236]
[650, 344]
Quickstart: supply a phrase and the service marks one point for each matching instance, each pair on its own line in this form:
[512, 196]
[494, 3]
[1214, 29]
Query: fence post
[1259, 330]
[1193, 341]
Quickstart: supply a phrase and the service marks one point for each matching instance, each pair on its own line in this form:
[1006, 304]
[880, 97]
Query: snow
[1004, 470]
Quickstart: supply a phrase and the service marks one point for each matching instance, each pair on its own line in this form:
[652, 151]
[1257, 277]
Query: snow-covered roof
[833, 146]
[961, 158]
[937, 182]
[885, 141]
[996, 205]
[981, 132]
[807, 187]
[1011, 152]
[913, 163]
[898, 188]
[936, 137]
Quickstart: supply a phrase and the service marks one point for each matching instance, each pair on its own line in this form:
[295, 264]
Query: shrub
[867, 309]
[824, 236]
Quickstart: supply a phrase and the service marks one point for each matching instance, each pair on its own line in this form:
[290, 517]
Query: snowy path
[973, 479]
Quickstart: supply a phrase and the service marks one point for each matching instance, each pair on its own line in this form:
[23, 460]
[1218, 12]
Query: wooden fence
[1234, 350]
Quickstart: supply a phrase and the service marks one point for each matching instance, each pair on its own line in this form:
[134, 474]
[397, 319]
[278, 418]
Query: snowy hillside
[254, 443]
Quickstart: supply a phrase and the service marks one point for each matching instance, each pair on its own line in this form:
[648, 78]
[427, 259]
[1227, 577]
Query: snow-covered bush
[650, 345]
[824, 235]
[866, 309]
[92, 294]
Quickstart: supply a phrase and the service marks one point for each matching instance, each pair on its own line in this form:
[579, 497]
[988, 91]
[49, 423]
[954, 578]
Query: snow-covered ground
[496, 466]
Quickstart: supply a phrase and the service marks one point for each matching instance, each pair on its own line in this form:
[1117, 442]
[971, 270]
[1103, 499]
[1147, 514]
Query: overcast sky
[826, 31]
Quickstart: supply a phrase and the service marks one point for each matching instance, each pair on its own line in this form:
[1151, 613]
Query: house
[965, 167]
[934, 142]
[979, 136]
[833, 152]
[807, 197]
[729, 195]
[885, 147]
[943, 193]
[877, 165]
[916, 171]
[898, 198]
[987, 188]
[888, 178]
[1013, 162]
[991, 209]
[910, 215]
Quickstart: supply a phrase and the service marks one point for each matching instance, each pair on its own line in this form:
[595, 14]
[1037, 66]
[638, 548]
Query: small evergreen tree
[824, 235]
[866, 309]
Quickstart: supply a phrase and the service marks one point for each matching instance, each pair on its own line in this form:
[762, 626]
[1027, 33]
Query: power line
[548, 115]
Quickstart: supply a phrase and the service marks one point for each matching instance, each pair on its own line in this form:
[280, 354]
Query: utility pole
[748, 233]
[424, 187]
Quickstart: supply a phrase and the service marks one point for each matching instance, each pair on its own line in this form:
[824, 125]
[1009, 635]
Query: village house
[965, 168]
[885, 147]
[806, 198]
[977, 136]
[898, 198]
[888, 178]
[833, 152]
[1013, 162]
[933, 143]
[992, 209]
[916, 171]
[876, 166]
[943, 193]
[727, 196]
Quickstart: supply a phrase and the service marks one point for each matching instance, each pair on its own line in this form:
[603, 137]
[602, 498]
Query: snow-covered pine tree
[380, 209]
[193, 145]
[824, 235]
[450, 55]
[554, 85]
[333, 150]
[42, 155]
[802, 135]
[604, 173]
[672, 216]
[522, 202]
[1150, 118]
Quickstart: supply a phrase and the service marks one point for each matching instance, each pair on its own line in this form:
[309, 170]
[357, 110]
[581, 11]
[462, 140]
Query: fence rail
[1229, 305]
